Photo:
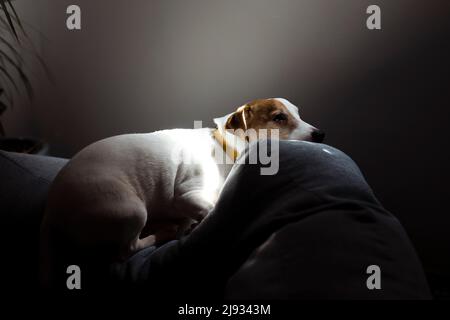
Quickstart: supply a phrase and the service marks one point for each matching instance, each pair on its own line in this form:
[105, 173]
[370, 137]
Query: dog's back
[109, 195]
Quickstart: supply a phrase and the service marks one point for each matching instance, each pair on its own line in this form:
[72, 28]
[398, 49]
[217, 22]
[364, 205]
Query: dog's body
[130, 191]
[119, 178]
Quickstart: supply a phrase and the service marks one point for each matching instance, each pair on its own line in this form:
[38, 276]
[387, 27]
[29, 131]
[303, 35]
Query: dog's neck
[223, 153]
[228, 148]
[231, 144]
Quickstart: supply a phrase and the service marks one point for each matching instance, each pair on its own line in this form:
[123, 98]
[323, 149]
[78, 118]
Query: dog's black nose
[317, 136]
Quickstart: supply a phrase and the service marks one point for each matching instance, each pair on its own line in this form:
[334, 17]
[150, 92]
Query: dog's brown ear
[239, 119]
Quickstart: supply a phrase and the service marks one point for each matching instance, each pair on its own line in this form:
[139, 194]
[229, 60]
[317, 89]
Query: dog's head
[276, 113]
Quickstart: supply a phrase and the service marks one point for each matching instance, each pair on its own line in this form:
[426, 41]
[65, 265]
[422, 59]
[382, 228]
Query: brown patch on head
[263, 114]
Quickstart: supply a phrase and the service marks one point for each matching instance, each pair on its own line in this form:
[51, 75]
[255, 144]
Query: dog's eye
[280, 117]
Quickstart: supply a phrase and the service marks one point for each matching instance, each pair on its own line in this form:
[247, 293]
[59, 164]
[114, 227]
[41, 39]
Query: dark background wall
[382, 96]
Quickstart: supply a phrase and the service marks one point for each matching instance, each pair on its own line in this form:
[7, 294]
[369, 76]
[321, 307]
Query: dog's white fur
[131, 190]
[304, 129]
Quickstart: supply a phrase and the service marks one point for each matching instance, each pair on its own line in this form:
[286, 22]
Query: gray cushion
[309, 231]
[24, 184]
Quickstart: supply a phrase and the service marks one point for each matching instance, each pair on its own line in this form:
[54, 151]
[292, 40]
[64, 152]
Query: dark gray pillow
[24, 184]
[309, 231]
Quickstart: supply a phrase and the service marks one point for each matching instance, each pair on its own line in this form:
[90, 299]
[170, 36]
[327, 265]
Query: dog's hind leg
[141, 243]
[131, 240]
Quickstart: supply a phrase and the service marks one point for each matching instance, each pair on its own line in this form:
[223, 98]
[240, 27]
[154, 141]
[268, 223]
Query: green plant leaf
[12, 61]
[23, 76]
[7, 97]
[8, 17]
[13, 50]
[32, 50]
[10, 78]
[17, 19]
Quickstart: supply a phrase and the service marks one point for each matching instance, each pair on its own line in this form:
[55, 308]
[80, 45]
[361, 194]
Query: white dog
[130, 191]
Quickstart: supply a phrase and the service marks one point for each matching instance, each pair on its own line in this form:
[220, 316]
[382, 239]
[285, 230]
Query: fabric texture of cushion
[310, 231]
[24, 184]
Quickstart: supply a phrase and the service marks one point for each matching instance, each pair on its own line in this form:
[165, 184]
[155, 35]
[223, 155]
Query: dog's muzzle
[317, 136]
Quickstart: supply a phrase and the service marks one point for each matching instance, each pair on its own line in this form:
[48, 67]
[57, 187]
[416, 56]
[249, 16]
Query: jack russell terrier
[131, 191]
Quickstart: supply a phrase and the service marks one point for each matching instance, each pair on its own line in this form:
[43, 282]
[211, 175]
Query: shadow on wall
[150, 65]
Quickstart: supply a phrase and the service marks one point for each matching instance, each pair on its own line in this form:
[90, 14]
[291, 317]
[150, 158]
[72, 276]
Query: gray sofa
[310, 231]
[24, 183]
